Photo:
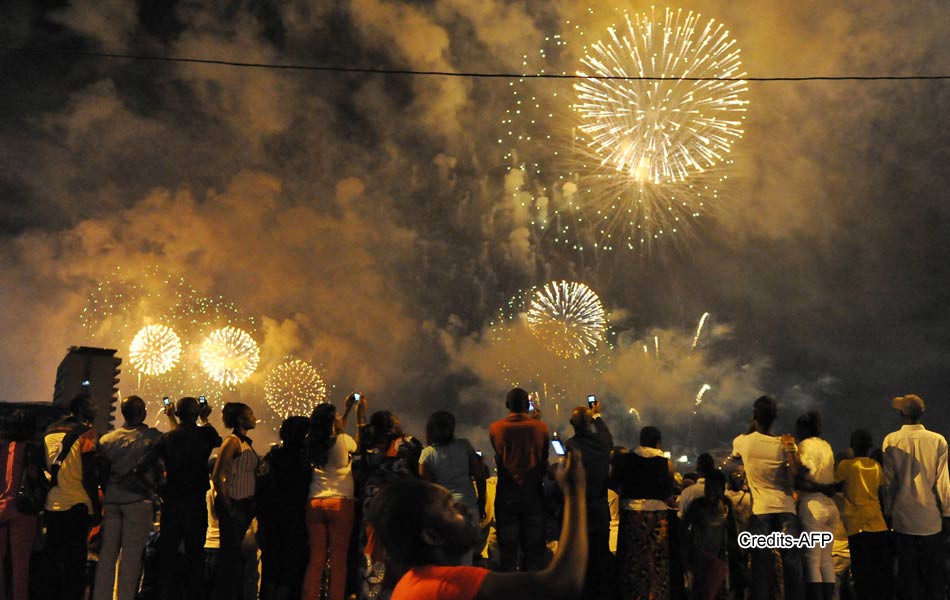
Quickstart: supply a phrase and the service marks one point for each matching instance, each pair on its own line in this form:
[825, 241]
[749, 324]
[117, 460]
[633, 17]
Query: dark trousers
[763, 563]
[871, 563]
[599, 561]
[519, 525]
[184, 523]
[232, 527]
[920, 566]
[67, 534]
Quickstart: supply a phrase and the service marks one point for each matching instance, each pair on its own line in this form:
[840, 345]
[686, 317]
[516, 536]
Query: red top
[11, 467]
[433, 582]
[521, 445]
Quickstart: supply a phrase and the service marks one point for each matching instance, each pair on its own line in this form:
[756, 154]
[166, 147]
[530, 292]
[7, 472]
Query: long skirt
[643, 555]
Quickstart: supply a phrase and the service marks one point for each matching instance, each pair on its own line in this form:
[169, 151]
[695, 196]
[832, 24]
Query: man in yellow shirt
[859, 479]
[72, 505]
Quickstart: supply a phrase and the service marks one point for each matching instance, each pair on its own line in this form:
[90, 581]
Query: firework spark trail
[699, 395]
[155, 350]
[699, 330]
[656, 346]
[569, 317]
[229, 355]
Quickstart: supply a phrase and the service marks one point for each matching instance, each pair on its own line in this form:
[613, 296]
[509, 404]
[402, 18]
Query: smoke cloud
[370, 224]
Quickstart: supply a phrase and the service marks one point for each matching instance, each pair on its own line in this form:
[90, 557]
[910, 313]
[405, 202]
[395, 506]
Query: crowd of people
[137, 513]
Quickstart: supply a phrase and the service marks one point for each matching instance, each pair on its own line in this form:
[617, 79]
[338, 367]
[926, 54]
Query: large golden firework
[229, 355]
[155, 350]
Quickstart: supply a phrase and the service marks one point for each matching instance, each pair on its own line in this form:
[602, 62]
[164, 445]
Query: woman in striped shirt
[235, 481]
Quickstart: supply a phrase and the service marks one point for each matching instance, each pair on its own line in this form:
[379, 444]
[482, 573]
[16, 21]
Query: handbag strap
[68, 440]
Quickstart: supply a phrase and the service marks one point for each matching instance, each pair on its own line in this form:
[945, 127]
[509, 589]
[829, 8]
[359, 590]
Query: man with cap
[917, 496]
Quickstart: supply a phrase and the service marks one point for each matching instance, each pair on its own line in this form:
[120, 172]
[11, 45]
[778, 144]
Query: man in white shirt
[771, 463]
[917, 496]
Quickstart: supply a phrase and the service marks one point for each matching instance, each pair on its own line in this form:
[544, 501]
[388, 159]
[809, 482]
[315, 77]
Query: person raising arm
[425, 530]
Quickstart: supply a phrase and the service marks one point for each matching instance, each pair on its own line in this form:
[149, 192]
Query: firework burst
[294, 387]
[662, 131]
[229, 355]
[619, 163]
[569, 317]
[155, 350]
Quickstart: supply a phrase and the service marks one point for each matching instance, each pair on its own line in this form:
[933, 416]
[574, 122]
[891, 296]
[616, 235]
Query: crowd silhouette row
[137, 513]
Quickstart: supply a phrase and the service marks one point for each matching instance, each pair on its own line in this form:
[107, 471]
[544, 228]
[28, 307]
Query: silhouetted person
[771, 464]
[19, 455]
[452, 463]
[281, 500]
[235, 481]
[593, 441]
[869, 540]
[424, 529]
[521, 455]
[128, 511]
[709, 537]
[184, 452]
[331, 505]
[816, 509]
[918, 495]
[644, 481]
[704, 466]
[72, 505]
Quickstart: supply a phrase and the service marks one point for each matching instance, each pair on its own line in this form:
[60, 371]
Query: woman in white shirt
[331, 508]
[816, 509]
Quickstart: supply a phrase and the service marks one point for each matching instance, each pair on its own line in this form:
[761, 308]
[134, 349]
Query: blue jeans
[763, 562]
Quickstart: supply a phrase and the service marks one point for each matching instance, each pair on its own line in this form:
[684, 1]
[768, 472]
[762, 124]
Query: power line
[461, 74]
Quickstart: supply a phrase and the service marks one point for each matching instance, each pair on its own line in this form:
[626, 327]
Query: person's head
[650, 437]
[715, 485]
[420, 523]
[808, 425]
[19, 426]
[293, 431]
[82, 407]
[133, 410]
[237, 415]
[861, 442]
[440, 429]
[764, 412]
[581, 419]
[705, 464]
[910, 407]
[384, 427]
[517, 400]
[323, 428]
[187, 409]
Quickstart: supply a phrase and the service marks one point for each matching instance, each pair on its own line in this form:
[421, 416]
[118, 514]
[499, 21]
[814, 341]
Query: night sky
[366, 223]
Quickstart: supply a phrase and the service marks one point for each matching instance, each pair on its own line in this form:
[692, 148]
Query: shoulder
[437, 583]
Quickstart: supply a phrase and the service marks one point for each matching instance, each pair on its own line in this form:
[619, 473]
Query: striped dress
[242, 472]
